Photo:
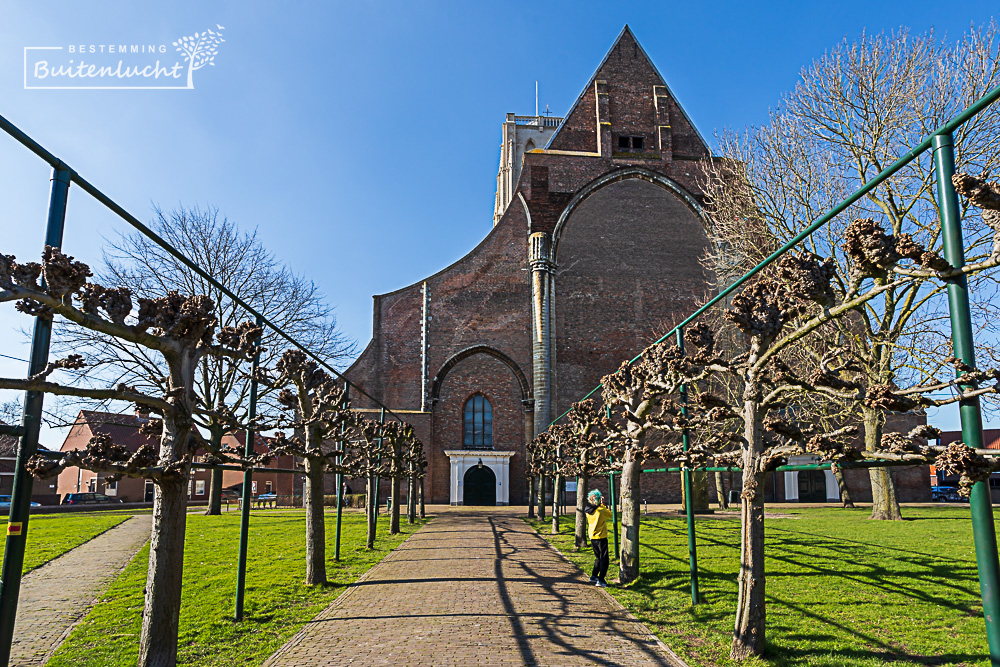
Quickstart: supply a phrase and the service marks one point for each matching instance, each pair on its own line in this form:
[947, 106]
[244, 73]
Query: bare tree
[779, 311]
[577, 448]
[853, 112]
[241, 263]
[321, 412]
[182, 330]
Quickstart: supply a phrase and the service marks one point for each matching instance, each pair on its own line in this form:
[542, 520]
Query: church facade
[594, 253]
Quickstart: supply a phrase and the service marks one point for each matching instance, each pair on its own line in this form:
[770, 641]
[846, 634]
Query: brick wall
[491, 377]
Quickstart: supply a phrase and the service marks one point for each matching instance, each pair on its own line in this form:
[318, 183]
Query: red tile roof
[123, 429]
[991, 437]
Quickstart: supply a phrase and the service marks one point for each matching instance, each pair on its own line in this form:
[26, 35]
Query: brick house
[991, 440]
[124, 431]
[42, 491]
[593, 253]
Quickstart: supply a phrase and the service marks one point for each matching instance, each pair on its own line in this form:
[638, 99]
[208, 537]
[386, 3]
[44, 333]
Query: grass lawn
[277, 601]
[842, 591]
[52, 535]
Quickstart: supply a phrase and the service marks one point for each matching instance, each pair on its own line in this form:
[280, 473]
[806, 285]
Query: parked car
[5, 503]
[945, 494]
[88, 499]
[230, 495]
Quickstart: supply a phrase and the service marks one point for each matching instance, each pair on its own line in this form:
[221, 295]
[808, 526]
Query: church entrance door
[812, 486]
[479, 486]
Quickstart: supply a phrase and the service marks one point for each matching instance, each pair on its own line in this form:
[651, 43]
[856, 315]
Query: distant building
[991, 440]
[124, 431]
[42, 491]
[594, 252]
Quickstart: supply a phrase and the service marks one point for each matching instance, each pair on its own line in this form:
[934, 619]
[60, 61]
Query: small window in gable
[631, 144]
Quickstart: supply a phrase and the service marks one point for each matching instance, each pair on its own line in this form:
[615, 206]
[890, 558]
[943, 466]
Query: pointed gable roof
[631, 75]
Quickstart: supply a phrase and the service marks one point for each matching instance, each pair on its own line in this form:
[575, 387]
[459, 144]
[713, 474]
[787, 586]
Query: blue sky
[362, 138]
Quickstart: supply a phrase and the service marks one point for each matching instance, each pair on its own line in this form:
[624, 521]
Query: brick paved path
[58, 594]
[473, 588]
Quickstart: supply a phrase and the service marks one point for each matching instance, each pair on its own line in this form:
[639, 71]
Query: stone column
[540, 260]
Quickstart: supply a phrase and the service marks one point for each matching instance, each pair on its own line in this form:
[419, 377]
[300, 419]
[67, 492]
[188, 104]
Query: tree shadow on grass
[855, 571]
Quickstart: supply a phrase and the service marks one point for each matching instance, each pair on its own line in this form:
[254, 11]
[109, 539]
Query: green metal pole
[688, 491]
[31, 421]
[983, 530]
[611, 492]
[248, 450]
[340, 480]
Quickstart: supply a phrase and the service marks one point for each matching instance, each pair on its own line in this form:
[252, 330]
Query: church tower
[593, 253]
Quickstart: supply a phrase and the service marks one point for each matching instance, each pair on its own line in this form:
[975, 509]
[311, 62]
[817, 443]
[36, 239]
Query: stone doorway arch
[480, 486]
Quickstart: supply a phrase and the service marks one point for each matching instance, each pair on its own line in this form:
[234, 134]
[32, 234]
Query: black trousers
[601, 558]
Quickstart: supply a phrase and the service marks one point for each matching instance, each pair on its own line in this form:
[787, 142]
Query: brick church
[594, 251]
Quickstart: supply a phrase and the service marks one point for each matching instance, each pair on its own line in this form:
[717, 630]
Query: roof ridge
[590, 82]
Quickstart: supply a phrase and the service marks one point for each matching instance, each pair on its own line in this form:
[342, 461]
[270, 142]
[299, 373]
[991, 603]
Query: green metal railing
[941, 142]
[17, 526]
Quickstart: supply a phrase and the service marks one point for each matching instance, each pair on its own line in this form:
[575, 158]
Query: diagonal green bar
[38, 150]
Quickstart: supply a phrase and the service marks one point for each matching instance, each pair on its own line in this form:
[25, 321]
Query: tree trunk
[411, 500]
[748, 633]
[556, 483]
[628, 565]
[215, 493]
[541, 497]
[845, 493]
[161, 613]
[371, 504]
[215, 480]
[580, 529]
[720, 492]
[885, 506]
[699, 490]
[420, 498]
[394, 499]
[531, 496]
[751, 612]
[315, 523]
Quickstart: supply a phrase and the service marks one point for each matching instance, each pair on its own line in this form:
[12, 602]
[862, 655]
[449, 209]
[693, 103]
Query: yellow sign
[14, 528]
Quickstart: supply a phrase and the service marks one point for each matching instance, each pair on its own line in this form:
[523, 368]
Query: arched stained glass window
[478, 423]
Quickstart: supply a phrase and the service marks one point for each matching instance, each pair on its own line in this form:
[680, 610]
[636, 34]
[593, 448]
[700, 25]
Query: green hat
[596, 495]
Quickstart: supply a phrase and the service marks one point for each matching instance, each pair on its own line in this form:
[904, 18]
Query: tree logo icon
[199, 50]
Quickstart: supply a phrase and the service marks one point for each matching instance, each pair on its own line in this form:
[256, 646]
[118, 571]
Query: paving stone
[474, 587]
[57, 595]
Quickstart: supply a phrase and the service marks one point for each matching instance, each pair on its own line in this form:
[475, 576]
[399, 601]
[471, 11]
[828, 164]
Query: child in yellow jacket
[597, 529]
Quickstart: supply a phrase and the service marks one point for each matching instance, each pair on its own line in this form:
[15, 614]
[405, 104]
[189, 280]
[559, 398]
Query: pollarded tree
[320, 410]
[585, 453]
[416, 463]
[782, 307]
[641, 399]
[544, 460]
[369, 453]
[182, 330]
[240, 262]
[853, 112]
[398, 467]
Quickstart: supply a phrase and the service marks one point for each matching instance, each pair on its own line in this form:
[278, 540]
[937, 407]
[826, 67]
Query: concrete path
[473, 588]
[57, 595]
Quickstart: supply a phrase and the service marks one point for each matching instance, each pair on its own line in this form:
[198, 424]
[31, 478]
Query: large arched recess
[486, 370]
[627, 251]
